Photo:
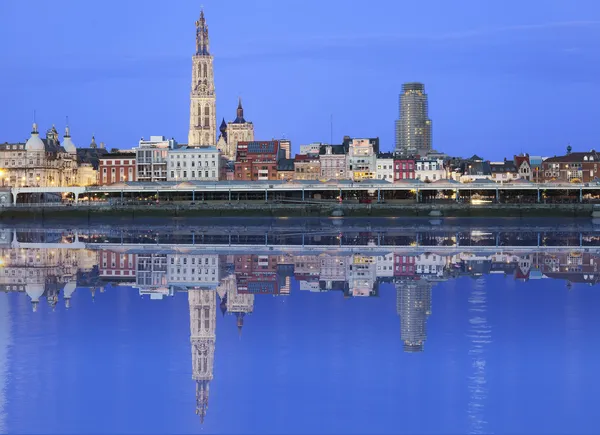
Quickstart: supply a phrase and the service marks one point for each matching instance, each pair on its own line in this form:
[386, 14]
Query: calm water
[417, 328]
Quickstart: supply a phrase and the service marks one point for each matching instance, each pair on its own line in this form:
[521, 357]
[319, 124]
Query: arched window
[205, 68]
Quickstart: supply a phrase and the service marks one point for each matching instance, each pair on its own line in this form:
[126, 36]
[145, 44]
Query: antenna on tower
[331, 130]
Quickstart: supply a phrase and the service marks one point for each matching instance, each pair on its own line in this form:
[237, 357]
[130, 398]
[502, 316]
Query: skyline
[462, 84]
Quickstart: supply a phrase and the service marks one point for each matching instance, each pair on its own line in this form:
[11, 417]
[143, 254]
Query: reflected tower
[479, 334]
[413, 304]
[203, 316]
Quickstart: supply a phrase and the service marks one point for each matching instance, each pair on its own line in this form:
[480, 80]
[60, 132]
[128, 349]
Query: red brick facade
[404, 169]
[256, 161]
[116, 168]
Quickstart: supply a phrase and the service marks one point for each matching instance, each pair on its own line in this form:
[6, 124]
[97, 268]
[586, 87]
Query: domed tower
[68, 291]
[35, 292]
[35, 143]
[68, 144]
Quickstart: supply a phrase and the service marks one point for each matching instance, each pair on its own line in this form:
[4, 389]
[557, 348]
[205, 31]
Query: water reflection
[54, 266]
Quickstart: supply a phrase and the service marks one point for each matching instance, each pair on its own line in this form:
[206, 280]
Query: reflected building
[480, 337]
[362, 276]
[203, 321]
[413, 304]
[43, 272]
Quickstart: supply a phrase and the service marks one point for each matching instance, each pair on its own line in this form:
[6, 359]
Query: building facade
[41, 162]
[573, 167]
[117, 168]
[333, 162]
[429, 170]
[203, 115]
[307, 167]
[385, 167]
[404, 169]
[361, 161]
[523, 167]
[503, 172]
[194, 164]
[239, 130]
[413, 128]
[311, 148]
[256, 160]
[151, 158]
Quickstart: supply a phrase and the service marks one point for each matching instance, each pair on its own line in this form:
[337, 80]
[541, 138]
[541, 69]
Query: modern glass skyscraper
[413, 129]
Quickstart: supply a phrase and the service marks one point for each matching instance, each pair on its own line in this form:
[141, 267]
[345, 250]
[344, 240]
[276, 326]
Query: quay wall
[260, 209]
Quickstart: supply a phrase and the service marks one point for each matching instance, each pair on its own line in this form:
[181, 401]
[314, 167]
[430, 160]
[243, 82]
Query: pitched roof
[575, 157]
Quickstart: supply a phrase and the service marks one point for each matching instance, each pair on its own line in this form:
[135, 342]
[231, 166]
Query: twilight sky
[502, 76]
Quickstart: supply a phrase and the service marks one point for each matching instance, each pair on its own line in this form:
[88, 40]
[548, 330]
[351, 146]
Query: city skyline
[488, 99]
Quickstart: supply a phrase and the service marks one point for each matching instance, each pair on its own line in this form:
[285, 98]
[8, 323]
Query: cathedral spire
[202, 42]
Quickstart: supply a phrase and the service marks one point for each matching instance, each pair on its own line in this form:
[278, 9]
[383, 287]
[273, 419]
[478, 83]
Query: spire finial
[202, 43]
[67, 130]
[35, 127]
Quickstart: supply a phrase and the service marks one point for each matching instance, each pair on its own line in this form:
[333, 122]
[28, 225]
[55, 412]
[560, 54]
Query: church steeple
[240, 113]
[202, 42]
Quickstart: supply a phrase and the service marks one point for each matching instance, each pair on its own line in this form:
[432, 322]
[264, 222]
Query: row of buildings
[231, 151]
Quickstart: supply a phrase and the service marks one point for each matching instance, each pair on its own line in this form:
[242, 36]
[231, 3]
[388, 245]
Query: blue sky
[502, 76]
[308, 363]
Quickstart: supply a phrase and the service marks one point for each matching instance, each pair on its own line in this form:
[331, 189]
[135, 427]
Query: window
[172, 174]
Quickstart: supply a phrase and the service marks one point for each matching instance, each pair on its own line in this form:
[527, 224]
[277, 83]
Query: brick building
[116, 167]
[116, 265]
[578, 167]
[256, 160]
[404, 169]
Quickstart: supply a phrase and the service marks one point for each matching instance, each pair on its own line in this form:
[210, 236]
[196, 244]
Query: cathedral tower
[203, 318]
[203, 115]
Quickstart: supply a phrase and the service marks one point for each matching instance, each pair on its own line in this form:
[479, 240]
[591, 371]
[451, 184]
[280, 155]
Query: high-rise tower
[413, 129]
[203, 115]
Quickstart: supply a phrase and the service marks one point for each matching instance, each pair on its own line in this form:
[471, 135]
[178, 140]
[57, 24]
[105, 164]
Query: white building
[185, 270]
[385, 265]
[430, 264]
[333, 162]
[151, 158]
[429, 170]
[362, 275]
[385, 167]
[191, 164]
[311, 148]
[361, 160]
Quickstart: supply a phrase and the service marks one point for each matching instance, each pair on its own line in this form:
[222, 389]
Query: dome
[35, 291]
[68, 144]
[69, 289]
[34, 143]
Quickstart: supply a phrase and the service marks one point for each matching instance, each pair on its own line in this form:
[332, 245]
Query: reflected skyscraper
[480, 336]
[203, 317]
[413, 304]
[5, 342]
